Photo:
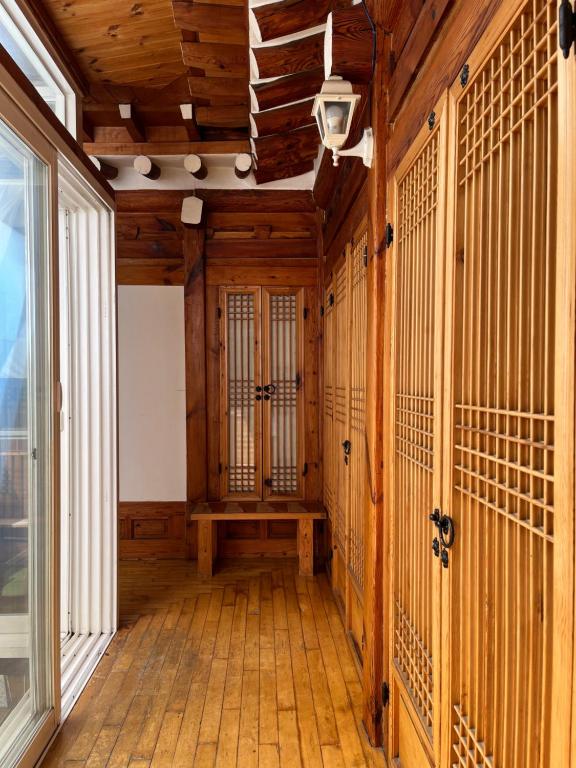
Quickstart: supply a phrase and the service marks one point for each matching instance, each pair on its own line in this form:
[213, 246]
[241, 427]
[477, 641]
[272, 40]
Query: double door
[482, 380]
[261, 393]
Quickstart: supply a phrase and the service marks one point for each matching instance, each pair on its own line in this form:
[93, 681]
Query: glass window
[29, 53]
[25, 511]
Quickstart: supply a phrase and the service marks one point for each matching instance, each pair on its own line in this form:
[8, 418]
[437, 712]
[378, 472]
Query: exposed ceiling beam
[301, 55]
[218, 91]
[159, 148]
[225, 24]
[289, 17]
[216, 59]
[285, 90]
[283, 119]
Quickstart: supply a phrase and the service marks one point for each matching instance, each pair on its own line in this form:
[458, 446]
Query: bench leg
[205, 547]
[306, 547]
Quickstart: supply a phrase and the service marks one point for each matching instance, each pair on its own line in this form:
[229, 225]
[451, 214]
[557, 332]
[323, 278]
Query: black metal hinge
[432, 120]
[219, 312]
[305, 313]
[305, 470]
[389, 239]
[385, 694]
[321, 311]
[220, 468]
[566, 27]
[268, 482]
[331, 299]
[464, 75]
[365, 255]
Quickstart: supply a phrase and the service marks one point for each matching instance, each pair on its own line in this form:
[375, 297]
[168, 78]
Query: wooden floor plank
[251, 669]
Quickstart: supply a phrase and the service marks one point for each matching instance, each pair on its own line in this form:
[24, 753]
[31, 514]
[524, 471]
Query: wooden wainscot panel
[284, 276]
[152, 530]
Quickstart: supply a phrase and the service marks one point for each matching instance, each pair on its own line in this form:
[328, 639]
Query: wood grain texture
[301, 55]
[114, 43]
[151, 530]
[195, 344]
[249, 669]
[289, 89]
[285, 118]
[288, 17]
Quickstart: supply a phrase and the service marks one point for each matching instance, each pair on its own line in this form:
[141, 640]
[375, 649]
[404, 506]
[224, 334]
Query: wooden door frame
[13, 116]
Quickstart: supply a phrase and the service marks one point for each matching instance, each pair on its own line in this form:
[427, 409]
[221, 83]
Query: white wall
[152, 393]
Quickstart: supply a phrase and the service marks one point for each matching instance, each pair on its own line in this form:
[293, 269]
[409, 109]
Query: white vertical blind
[90, 479]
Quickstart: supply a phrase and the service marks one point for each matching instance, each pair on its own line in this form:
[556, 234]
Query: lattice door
[341, 421]
[240, 368]
[328, 403]
[501, 452]
[282, 364]
[417, 257]
[358, 484]
[261, 393]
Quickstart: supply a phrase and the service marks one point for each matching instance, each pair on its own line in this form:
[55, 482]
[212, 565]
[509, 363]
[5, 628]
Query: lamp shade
[333, 109]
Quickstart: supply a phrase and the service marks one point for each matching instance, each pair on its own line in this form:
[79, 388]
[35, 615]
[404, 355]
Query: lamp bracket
[364, 149]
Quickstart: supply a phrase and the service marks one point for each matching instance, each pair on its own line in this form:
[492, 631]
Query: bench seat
[207, 515]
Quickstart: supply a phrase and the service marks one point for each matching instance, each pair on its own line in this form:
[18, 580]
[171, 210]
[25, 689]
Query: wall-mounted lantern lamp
[333, 109]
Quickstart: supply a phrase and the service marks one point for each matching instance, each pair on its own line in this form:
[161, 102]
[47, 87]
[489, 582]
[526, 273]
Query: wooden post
[195, 342]
[375, 591]
[205, 547]
[306, 547]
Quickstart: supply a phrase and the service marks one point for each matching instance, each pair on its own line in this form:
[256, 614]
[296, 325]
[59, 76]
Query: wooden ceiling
[250, 68]
[287, 70]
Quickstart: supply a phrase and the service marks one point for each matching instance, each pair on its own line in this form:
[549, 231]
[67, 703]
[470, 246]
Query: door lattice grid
[283, 362]
[414, 421]
[341, 366]
[240, 390]
[328, 369]
[359, 321]
[504, 409]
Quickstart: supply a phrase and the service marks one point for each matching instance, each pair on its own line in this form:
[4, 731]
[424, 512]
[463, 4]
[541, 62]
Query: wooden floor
[251, 668]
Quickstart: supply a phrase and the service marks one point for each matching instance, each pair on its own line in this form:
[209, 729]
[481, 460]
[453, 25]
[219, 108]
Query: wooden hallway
[251, 668]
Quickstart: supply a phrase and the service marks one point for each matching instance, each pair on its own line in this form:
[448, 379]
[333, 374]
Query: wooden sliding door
[501, 410]
[328, 491]
[261, 393]
[341, 429]
[345, 480]
[482, 482]
[416, 462]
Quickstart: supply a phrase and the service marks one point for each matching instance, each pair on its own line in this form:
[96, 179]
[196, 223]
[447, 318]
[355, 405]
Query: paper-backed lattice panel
[283, 401]
[417, 204]
[503, 453]
[358, 331]
[328, 403]
[341, 404]
[240, 362]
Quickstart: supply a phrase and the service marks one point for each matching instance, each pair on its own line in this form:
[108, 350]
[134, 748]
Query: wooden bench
[208, 514]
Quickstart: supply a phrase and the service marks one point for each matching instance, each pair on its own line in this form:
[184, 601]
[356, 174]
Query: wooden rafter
[297, 56]
[289, 17]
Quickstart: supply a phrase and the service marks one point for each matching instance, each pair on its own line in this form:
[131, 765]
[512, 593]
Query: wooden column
[375, 591]
[195, 330]
[206, 537]
[306, 547]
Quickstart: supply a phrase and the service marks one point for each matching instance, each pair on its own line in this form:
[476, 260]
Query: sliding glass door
[26, 610]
